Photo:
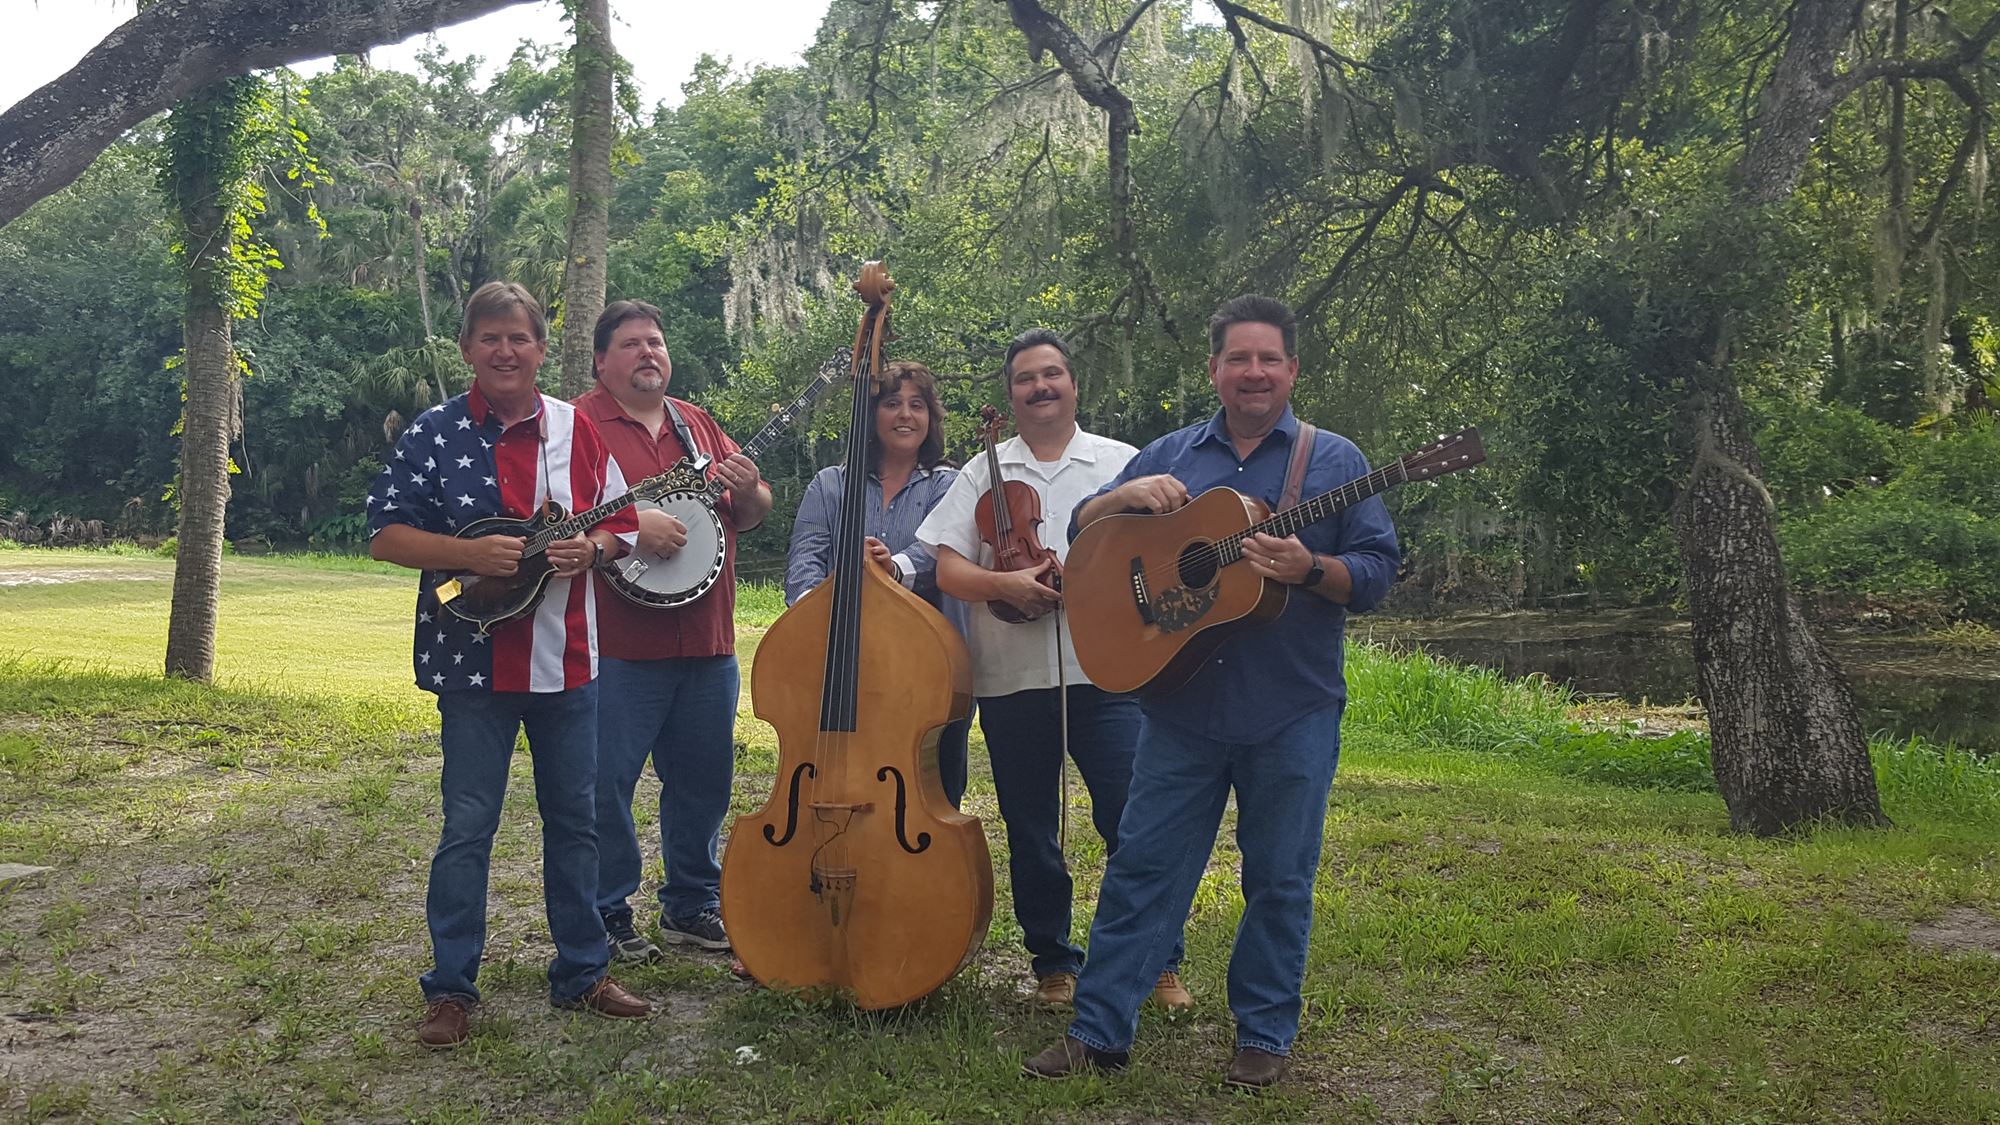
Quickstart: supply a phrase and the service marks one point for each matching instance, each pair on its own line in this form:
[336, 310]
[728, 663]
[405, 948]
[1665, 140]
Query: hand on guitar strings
[1023, 590]
[570, 557]
[1282, 560]
[660, 533]
[495, 556]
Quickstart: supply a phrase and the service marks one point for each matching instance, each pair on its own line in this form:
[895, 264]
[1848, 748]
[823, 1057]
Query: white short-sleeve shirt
[1009, 658]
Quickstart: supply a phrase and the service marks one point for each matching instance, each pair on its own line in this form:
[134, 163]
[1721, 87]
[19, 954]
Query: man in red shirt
[668, 675]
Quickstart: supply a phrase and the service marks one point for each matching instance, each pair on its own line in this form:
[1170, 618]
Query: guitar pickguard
[1180, 607]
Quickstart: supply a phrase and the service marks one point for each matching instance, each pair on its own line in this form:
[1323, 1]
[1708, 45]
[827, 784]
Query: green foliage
[1898, 542]
[1931, 532]
[1463, 246]
[1814, 451]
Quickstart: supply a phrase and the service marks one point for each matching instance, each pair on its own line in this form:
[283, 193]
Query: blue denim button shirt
[810, 558]
[1261, 680]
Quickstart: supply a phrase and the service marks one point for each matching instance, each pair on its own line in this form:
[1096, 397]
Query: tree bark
[423, 273]
[173, 48]
[589, 194]
[1787, 740]
[207, 425]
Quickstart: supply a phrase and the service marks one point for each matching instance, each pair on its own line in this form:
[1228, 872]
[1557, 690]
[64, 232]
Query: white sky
[661, 38]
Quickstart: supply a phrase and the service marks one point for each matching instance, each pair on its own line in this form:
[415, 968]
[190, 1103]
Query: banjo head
[688, 573]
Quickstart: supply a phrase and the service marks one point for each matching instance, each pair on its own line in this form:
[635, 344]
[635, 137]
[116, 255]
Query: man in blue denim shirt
[1262, 717]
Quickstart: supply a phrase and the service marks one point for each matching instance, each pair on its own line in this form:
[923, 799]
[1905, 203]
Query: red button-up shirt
[706, 626]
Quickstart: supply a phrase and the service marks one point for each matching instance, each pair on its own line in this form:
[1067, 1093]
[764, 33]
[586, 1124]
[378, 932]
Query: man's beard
[648, 380]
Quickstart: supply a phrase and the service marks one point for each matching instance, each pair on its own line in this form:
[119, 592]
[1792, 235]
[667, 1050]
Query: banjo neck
[830, 372]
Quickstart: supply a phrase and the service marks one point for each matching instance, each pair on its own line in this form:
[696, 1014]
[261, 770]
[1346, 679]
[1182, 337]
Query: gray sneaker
[703, 929]
[629, 945]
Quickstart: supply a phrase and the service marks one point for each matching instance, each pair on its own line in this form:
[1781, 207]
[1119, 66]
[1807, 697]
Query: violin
[857, 875]
[1008, 513]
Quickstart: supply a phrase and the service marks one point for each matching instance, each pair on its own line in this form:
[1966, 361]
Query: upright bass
[858, 875]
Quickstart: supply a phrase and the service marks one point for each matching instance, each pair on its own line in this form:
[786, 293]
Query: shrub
[1894, 541]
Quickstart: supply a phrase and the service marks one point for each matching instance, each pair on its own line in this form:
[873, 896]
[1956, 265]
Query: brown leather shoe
[1057, 990]
[1172, 995]
[608, 998]
[1256, 1069]
[446, 1024]
[1073, 1056]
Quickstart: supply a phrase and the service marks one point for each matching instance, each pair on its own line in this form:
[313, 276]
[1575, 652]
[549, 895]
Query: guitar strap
[1295, 473]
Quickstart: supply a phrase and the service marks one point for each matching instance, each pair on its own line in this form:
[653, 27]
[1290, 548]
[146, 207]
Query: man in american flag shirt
[504, 448]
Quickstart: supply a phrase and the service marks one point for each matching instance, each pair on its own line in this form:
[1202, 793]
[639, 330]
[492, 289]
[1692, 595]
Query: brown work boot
[1073, 1056]
[608, 998]
[1057, 990]
[1256, 1069]
[446, 1023]
[1172, 995]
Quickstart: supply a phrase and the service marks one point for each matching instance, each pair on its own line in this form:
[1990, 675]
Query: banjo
[664, 582]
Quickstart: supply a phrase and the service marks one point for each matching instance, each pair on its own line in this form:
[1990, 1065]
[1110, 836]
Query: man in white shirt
[1014, 666]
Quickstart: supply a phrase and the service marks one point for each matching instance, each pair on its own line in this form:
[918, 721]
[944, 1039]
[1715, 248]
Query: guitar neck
[829, 372]
[1293, 520]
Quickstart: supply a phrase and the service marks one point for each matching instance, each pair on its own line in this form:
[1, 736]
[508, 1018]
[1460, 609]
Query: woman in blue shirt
[908, 477]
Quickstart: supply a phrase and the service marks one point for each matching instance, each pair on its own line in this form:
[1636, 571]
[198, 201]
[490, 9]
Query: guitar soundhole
[1197, 565]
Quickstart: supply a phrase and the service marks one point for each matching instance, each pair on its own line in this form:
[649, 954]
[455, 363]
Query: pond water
[1903, 686]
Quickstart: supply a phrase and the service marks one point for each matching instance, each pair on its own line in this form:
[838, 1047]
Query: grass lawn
[1521, 917]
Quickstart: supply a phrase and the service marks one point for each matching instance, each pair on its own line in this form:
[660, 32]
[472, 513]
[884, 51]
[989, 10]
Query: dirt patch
[1962, 929]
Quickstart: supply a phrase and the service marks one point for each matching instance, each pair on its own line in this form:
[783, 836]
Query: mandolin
[490, 601]
[1150, 597]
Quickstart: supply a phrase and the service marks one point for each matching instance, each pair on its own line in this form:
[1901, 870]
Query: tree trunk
[589, 194]
[423, 272]
[1788, 745]
[207, 426]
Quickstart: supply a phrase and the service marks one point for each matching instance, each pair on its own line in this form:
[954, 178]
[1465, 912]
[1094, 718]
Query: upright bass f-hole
[902, 805]
[791, 808]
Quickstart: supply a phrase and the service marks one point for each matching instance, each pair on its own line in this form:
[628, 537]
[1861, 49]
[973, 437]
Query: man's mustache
[1043, 396]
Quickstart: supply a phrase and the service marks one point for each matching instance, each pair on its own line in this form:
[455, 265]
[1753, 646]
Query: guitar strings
[1229, 549]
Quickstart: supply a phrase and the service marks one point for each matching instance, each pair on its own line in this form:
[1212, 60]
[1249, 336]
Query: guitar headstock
[1461, 450]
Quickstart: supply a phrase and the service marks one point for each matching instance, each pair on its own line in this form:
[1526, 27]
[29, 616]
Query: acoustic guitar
[490, 602]
[1150, 597]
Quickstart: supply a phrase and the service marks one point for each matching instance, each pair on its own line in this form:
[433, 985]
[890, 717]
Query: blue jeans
[1024, 741]
[478, 729]
[681, 713]
[1180, 784]
[953, 750]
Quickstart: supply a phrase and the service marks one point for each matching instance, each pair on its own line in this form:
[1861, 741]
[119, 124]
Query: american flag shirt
[457, 464]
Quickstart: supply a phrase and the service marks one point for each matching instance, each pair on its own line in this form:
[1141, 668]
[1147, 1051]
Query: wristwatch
[598, 558]
[1315, 575]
